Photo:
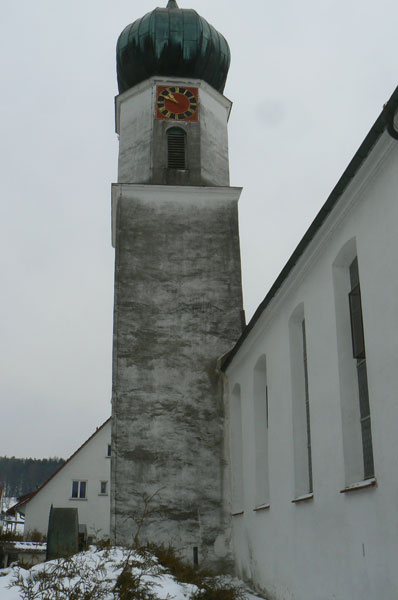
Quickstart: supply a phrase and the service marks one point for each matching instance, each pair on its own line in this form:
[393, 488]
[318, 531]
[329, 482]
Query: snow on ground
[93, 569]
[35, 546]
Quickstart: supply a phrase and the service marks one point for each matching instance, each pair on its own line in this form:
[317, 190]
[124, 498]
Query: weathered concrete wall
[134, 118]
[178, 308]
[214, 138]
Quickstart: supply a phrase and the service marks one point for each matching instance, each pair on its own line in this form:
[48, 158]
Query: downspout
[228, 550]
[389, 115]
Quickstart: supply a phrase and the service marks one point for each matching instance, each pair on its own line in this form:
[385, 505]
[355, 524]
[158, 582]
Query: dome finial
[172, 4]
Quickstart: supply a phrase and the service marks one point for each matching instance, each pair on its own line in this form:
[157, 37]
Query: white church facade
[311, 399]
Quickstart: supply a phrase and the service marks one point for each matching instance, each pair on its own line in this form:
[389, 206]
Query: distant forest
[20, 476]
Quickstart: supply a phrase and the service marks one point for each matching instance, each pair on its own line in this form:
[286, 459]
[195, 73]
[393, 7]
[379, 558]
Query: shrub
[35, 536]
[11, 537]
[218, 588]
[66, 579]
[118, 574]
[210, 586]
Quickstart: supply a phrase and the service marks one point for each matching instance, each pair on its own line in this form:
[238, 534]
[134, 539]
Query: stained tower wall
[178, 308]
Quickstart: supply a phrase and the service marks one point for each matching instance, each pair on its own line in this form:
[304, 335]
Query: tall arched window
[303, 484]
[176, 148]
[354, 395]
[260, 400]
[236, 441]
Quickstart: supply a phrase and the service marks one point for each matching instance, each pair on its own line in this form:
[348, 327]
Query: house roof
[385, 121]
[13, 510]
[25, 499]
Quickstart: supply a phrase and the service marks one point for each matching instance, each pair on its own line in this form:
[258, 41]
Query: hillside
[19, 476]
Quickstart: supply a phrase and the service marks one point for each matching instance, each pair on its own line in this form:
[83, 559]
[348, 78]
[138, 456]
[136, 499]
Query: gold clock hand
[171, 98]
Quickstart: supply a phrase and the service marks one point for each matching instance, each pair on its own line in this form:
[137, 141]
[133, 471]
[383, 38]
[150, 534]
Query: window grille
[358, 340]
[176, 148]
[358, 345]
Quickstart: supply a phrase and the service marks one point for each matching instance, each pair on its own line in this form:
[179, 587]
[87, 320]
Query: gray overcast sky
[307, 79]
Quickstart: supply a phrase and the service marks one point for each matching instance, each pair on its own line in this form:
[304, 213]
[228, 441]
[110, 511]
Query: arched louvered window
[176, 143]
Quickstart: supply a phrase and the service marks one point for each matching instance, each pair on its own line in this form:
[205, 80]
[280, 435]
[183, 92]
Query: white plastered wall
[336, 545]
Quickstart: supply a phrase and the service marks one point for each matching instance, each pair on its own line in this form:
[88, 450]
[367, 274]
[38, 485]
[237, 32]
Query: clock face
[176, 103]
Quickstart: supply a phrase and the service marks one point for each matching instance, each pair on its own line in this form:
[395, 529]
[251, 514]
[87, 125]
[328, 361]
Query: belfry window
[176, 148]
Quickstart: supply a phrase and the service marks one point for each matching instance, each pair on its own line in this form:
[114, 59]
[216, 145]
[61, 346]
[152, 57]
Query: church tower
[178, 297]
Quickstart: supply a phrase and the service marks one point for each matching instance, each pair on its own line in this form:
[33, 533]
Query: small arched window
[176, 148]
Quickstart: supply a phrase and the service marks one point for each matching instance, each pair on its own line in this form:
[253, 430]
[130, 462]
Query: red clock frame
[177, 103]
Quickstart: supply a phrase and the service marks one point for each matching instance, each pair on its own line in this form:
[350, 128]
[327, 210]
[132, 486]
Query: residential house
[82, 482]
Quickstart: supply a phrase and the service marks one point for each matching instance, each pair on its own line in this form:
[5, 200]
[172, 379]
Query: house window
[79, 489]
[109, 450]
[260, 402]
[303, 483]
[176, 148]
[351, 354]
[103, 487]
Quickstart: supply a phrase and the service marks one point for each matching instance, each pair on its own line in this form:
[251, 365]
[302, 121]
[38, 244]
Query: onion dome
[172, 42]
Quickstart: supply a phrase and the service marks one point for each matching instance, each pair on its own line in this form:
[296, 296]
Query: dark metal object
[389, 112]
[83, 538]
[307, 409]
[172, 42]
[63, 533]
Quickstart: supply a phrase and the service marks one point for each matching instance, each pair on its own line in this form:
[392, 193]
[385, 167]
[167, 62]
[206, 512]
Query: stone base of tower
[178, 308]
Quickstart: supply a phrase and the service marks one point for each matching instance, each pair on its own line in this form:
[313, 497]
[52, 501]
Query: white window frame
[302, 447]
[79, 495]
[261, 421]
